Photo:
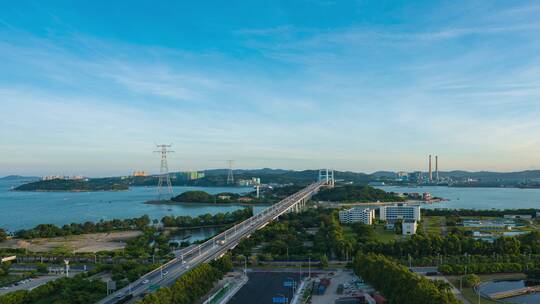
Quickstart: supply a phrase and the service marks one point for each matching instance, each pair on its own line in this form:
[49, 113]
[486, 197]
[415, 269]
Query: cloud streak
[360, 97]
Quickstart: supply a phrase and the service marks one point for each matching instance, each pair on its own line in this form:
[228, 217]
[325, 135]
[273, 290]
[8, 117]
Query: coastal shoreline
[378, 204]
[68, 191]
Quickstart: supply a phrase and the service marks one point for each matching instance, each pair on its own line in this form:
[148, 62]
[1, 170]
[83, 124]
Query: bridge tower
[230, 174]
[327, 175]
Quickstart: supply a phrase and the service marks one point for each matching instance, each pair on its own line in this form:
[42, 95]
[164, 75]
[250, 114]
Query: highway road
[31, 284]
[215, 247]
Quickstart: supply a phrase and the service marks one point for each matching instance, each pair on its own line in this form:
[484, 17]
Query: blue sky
[88, 88]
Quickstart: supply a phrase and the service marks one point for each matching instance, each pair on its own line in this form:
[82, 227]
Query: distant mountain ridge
[17, 177]
[218, 177]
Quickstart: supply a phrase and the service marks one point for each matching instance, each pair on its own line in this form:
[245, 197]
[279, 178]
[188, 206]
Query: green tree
[324, 261]
[42, 268]
[471, 280]
[398, 283]
[3, 235]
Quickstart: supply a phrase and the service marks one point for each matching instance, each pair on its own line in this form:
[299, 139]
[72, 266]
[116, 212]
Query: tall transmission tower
[230, 176]
[164, 170]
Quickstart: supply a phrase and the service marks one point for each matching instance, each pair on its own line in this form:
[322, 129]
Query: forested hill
[213, 178]
[364, 194]
[203, 197]
[278, 176]
[95, 184]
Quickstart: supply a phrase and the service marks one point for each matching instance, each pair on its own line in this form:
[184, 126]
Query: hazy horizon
[247, 169]
[88, 88]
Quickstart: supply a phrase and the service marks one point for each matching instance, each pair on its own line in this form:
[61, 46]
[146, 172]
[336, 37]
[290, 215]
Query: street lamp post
[245, 265]
[309, 267]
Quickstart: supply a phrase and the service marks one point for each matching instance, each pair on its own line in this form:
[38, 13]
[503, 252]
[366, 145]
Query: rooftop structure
[355, 215]
[140, 173]
[408, 227]
[400, 211]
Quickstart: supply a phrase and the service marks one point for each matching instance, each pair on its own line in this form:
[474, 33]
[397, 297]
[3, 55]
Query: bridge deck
[213, 248]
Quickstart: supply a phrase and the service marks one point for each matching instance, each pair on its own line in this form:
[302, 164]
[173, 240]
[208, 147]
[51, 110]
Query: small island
[74, 185]
[202, 197]
[357, 194]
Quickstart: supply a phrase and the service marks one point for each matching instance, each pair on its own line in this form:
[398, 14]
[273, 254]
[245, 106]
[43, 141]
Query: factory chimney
[437, 168]
[430, 172]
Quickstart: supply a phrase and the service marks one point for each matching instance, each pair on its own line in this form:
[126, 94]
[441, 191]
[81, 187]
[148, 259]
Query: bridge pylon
[327, 175]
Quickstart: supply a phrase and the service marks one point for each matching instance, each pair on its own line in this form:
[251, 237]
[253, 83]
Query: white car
[145, 281]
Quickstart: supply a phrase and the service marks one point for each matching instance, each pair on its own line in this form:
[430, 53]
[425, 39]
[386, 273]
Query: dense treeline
[192, 285]
[268, 196]
[352, 193]
[150, 243]
[428, 245]
[77, 290]
[526, 260]
[50, 230]
[207, 219]
[3, 234]
[204, 197]
[294, 230]
[481, 268]
[399, 284]
[472, 212]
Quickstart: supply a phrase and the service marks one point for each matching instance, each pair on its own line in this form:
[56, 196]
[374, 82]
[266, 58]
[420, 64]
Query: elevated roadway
[215, 247]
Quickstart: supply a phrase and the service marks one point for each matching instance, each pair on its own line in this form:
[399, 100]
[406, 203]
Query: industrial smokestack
[430, 172]
[437, 168]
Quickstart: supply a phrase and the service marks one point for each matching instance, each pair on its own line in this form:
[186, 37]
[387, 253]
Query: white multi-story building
[355, 215]
[400, 211]
[408, 227]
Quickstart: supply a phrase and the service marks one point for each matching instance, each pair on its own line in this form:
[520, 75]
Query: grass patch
[385, 235]
[348, 231]
[434, 224]
[10, 279]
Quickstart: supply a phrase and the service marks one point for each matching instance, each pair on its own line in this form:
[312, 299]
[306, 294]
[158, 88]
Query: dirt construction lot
[93, 242]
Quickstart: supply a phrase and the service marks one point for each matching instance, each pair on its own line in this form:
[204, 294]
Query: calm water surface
[20, 210]
[477, 198]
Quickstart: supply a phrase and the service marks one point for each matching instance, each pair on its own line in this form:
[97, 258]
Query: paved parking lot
[339, 277]
[262, 287]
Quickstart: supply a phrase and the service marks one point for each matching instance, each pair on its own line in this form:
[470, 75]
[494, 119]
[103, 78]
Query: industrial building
[355, 215]
[400, 211]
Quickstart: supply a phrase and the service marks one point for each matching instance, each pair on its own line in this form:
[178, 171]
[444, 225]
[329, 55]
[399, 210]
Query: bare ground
[93, 242]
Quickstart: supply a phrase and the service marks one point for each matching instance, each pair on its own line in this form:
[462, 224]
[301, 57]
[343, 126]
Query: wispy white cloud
[360, 98]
